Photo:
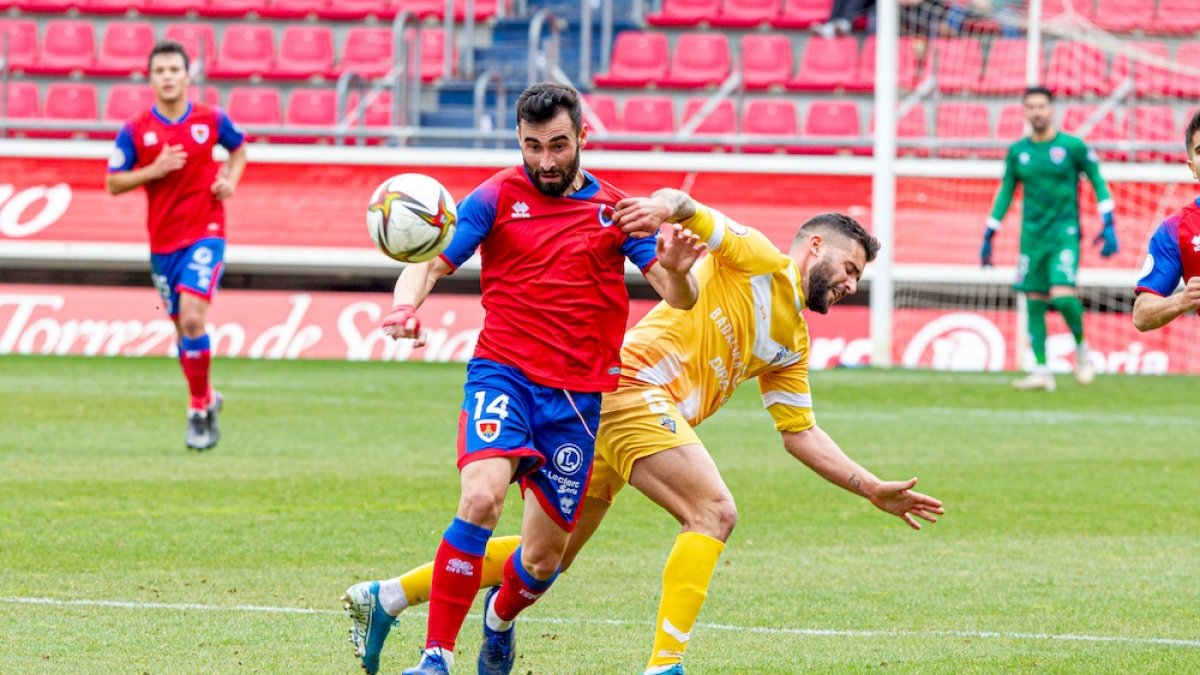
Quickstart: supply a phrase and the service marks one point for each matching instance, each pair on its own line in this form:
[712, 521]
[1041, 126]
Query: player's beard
[818, 287]
[1039, 126]
[559, 187]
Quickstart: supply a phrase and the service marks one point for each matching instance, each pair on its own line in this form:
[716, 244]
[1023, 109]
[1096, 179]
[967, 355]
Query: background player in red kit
[556, 306]
[1173, 256]
[168, 149]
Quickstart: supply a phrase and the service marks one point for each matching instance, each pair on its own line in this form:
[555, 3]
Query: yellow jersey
[747, 323]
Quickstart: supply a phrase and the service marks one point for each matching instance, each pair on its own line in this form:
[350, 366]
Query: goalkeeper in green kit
[1049, 163]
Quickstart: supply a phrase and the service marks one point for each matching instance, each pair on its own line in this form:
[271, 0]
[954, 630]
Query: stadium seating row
[703, 59]
[335, 10]
[309, 115]
[1159, 17]
[840, 119]
[247, 49]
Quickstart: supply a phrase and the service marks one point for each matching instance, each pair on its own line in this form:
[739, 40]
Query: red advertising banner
[329, 325]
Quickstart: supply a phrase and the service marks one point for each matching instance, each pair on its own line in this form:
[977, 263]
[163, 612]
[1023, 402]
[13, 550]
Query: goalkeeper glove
[1108, 235]
[402, 321]
[985, 251]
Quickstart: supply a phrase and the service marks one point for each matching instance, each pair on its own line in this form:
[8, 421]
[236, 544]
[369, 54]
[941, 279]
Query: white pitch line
[815, 632]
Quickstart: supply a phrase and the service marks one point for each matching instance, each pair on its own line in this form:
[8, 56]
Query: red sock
[196, 357]
[455, 582]
[519, 589]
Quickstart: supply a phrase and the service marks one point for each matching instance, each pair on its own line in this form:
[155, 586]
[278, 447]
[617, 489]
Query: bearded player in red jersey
[556, 306]
[168, 149]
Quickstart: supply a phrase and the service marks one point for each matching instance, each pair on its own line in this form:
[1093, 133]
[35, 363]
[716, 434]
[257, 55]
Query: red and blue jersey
[1174, 252]
[182, 208]
[552, 276]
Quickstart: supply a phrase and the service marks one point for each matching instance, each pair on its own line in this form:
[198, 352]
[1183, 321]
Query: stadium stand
[123, 49]
[832, 119]
[305, 52]
[766, 61]
[650, 115]
[248, 49]
[367, 51]
[67, 46]
[22, 40]
[638, 59]
[771, 120]
[827, 65]
[746, 13]
[66, 104]
[802, 13]
[684, 12]
[125, 101]
[699, 60]
[722, 120]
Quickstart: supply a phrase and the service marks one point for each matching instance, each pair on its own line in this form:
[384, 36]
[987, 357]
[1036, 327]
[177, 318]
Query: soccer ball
[411, 217]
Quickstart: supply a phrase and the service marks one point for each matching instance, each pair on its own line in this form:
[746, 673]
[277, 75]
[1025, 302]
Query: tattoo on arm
[855, 482]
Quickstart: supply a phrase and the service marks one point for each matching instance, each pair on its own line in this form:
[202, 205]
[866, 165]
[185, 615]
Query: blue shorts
[551, 430]
[195, 269]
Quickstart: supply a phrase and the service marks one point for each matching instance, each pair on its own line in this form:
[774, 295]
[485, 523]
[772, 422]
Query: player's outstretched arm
[1152, 311]
[412, 287]
[820, 453]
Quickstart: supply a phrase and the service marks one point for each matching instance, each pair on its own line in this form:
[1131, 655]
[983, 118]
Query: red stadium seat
[353, 10]
[433, 53]
[645, 115]
[67, 46]
[766, 61]
[124, 49]
[1148, 79]
[170, 7]
[826, 65]
[963, 122]
[1076, 68]
[747, 13]
[1005, 71]
[247, 49]
[770, 119]
[1176, 17]
[105, 6]
[253, 107]
[1124, 16]
[603, 110]
[684, 12]
[700, 60]
[310, 116]
[21, 103]
[377, 116]
[368, 52]
[1156, 123]
[208, 95]
[45, 6]
[833, 119]
[911, 125]
[802, 13]
[71, 104]
[958, 64]
[1187, 86]
[638, 59]
[195, 38]
[304, 51]
[127, 100]
[1012, 124]
[721, 121]
[291, 9]
[230, 9]
[22, 39]
[1107, 129]
[908, 65]
[1083, 9]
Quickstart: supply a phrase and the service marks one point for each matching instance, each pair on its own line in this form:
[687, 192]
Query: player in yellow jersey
[679, 367]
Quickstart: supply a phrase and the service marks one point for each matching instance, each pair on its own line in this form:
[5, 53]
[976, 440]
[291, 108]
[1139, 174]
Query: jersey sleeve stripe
[718, 234]
[662, 373]
[794, 399]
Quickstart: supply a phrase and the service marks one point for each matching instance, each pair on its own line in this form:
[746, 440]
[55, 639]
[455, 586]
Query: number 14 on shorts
[488, 429]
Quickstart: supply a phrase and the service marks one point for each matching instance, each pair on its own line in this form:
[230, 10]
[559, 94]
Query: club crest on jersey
[667, 423]
[1057, 155]
[149, 138]
[1196, 243]
[606, 215]
[200, 132]
[568, 458]
[1023, 158]
[487, 430]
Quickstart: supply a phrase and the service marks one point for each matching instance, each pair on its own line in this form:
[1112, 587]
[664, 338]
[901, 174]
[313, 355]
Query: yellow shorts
[635, 422]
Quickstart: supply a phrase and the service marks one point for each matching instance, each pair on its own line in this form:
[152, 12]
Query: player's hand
[222, 188]
[641, 217]
[985, 251]
[402, 323]
[1108, 236]
[1191, 293]
[170, 159]
[898, 499]
[678, 248]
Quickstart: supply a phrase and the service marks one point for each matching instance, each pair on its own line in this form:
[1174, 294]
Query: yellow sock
[417, 581]
[686, 576]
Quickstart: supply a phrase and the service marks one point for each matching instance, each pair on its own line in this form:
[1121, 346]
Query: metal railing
[406, 101]
[484, 123]
[549, 54]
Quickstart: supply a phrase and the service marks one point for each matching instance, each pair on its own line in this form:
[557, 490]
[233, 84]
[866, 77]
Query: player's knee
[541, 564]
[715, 517]
[191, 324]
[480, 505]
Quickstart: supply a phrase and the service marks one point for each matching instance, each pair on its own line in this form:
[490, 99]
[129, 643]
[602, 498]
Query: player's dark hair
[841, 225]
[1192, 127]
[168, 47]
[1038, 90]
[541, 102]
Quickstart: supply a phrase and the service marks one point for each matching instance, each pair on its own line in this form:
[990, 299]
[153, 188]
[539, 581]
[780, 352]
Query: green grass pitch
[1069, 544]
